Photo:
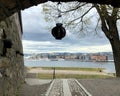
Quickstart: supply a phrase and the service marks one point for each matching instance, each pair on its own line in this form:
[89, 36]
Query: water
[109, 66]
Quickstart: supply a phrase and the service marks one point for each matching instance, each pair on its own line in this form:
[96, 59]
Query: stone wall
[11, 59]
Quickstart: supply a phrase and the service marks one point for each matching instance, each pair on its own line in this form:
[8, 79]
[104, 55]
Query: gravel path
[56, 88]
[76, 89]
[70, 87]
[66, 87]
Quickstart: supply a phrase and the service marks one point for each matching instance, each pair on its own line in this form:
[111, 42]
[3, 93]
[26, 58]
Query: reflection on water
[109, 66]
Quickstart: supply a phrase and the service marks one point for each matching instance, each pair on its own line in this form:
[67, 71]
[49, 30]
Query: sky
[37, 37]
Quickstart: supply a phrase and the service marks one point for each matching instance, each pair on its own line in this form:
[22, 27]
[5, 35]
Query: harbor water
[108, 66]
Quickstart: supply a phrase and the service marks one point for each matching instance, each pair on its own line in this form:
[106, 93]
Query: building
[98, 58]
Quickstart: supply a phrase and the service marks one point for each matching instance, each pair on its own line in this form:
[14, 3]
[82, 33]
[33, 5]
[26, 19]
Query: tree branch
[97, 25]
[103, 21]
[115, 3]
[87, 12]
[77, 7]
[115, 13]
[80, 17]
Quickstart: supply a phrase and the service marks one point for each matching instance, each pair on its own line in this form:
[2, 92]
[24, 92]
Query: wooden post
[54, 73]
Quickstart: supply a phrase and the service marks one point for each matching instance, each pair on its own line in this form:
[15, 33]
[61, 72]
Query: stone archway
[11, 59]
[11, 56]
[9, 7]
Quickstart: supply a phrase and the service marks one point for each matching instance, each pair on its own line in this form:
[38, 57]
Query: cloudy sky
[37, 37]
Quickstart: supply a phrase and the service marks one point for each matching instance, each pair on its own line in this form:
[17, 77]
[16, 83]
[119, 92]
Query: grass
[69, 68]
[76, 76]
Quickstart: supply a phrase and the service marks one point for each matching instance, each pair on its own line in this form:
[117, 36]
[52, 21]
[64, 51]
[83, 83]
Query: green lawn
[72, 68]
[76, 76]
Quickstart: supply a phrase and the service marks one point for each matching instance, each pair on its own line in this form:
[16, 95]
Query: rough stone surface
[11, 64]
[8, 7]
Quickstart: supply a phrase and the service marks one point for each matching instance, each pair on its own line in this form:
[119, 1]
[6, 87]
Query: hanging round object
[58, 31]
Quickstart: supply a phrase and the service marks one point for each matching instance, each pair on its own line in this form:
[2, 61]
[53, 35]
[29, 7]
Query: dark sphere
[58, 31]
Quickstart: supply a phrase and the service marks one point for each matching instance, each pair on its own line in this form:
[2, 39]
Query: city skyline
[105, 56]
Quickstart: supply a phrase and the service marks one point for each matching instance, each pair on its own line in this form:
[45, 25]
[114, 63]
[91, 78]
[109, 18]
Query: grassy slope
[71, 68]
[77, 76]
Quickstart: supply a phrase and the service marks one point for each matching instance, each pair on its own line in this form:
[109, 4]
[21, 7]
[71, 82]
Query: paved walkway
[102, 87]
[67, 87]
[70, 87]
[35, 87]
[85, 87]
[33, 81]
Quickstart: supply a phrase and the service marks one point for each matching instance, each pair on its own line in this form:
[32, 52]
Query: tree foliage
[78, 16]
[75, 16]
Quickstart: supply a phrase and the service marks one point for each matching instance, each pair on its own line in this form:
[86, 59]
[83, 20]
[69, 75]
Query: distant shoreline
[65, 60]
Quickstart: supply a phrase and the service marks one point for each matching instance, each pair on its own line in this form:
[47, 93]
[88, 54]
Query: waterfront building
[98, 58]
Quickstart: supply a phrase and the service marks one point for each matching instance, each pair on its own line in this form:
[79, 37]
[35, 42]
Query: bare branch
[103, 21]
[86, 12]
[77, 7]
[80, 17]
[101, 14]
[73, 21]
[97, 25]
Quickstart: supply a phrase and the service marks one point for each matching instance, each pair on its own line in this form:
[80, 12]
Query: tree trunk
[109, 27]
[115, 43]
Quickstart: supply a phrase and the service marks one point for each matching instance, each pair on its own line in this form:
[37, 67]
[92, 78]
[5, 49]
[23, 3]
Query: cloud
[47, 46]
[32, 19]
[37, 38]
